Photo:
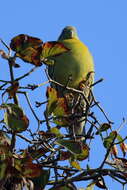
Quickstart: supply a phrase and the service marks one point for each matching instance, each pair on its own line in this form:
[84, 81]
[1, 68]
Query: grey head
[69, 32]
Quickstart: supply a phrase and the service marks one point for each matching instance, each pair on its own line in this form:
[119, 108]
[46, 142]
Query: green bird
[74, 69]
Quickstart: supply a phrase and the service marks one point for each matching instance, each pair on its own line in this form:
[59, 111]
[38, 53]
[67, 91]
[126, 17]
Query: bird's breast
[76, 63]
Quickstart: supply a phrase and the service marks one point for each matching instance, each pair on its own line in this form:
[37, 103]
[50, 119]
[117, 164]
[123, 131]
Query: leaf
[4, 152]
[90, 186]
[42, 180]
[104, 127]
[75, 164]
[114, 150]
[5, 143]
[64, 155]
[108, 140]
[23, 163]
[3, 168]
[56, 131]
[32, 50]
[119, 138]
[25, 47]
[52, 99]
[15, 118]
[23, 41]
[4, 139]
[30, 55]
[56, 106]
[51, 49]
[31, 170]
[84, 154]
[71, 145]
[123, 145]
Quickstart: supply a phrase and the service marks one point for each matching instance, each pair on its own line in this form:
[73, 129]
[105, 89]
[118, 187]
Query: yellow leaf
[56, 131]
[75, 164]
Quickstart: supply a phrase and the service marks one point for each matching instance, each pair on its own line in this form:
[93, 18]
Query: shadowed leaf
[108, 140]
[42, 180]
[23, 41]
[56, 131]
[15, 118]
[84, 154]
[25, 47]
[104, 127]
[51, 49]
[71, 145]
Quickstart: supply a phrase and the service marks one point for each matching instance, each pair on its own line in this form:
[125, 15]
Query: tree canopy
[53, 157]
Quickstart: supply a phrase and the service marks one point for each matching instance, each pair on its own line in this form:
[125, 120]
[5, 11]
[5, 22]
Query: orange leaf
[15, 118]
[23, 41]
[53, 48]
[123, 147]
[25, 47]
[114, 150]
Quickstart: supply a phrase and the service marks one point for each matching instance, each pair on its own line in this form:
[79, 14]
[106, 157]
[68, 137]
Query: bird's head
[69, 32]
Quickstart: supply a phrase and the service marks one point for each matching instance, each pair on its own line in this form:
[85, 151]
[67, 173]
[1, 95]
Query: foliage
[53, 157]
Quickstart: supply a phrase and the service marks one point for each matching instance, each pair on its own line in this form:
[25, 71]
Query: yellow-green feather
[78, 62]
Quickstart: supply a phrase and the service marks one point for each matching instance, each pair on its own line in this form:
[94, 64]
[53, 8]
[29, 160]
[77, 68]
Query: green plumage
[77, 63]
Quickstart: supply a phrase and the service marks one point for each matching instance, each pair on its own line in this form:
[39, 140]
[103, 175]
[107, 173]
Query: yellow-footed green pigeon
[76, 65]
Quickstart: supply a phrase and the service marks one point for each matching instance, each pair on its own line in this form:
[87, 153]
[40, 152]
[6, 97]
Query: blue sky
[101, 24]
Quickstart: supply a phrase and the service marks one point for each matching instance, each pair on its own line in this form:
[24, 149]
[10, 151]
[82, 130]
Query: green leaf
[119, 138]
[15, 118]
[71, 145]
[32, 50]
[56, 131]
[84, 154]
[42, 180]
[104, 127]
[56, 106]
[108, 140]
[51, 49]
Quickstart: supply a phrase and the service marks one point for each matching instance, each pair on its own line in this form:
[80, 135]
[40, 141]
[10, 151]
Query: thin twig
[28, 101]
[108, 151]
[68, 88]
[26, 74]
[100, 80]
[97, 104]
[9, 49]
